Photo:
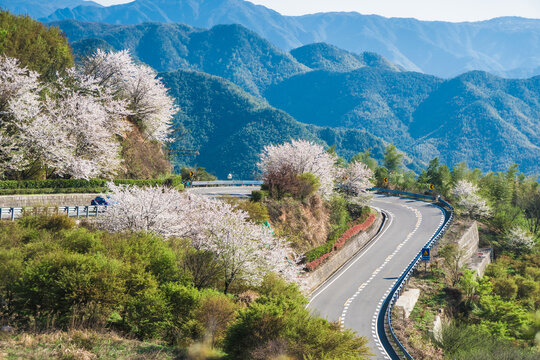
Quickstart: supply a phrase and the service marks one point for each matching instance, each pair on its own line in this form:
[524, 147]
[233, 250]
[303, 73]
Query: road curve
[354, 294]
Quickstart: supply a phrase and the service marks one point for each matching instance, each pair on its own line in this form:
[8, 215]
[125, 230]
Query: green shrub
[308, 184]
[62, 284]
[258, 195]
[53, 223]
[257, 211]
[280, 314]
[82, 241]
[147, 315]
[463, 342]
[199, 174]
[74, 185]
[505, 288]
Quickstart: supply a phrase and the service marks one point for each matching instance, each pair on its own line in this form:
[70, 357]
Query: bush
[66, 285]
[463, 342]
[257, 212]
[199, 174]
[258, 195]
[75, 185]
[278, 320]
[307, 185]
[174, 181]
[53, 223]
[147, 315]
[505, 288]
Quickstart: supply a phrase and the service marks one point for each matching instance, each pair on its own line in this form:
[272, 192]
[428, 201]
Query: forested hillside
[424, 115]
[229, 51]
[322, 56]
[229, 127]
[504, 46]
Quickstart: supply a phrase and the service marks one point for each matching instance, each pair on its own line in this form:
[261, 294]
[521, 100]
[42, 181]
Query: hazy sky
[448, 10]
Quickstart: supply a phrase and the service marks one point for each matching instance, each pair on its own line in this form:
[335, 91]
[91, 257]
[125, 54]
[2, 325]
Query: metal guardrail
[384, 320]
[86, 211]
[226, 183]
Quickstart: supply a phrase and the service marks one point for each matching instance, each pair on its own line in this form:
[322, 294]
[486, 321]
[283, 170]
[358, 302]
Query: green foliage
[365, 157]
[308, 184]
[278, 319]
[38, 47]
[506, 288]
[69, 186]
[392, 159]
[463, 342]
[258, 195]
[55, 275]
[199, 174]
[73, 276]
[173, 181]
[257, 211]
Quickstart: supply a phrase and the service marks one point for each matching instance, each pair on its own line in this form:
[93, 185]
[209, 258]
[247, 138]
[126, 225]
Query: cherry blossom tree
[469, 200]
[355, 178]
[19, 105]
[76, 132]
[301, 157]
[152, 108]
[519, 241]
[246, 251]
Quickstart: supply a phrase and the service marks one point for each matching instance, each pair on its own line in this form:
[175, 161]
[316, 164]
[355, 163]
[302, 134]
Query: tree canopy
[38, 47]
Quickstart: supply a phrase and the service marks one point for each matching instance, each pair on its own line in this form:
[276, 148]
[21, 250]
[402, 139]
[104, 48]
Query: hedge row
[25, 191]
[327, 247]
[75, 183]
[318, 255]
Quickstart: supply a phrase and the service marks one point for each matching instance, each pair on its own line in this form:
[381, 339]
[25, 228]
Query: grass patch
[82, 344]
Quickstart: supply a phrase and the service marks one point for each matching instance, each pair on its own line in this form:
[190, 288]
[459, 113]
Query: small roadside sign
[431, 186]
[385, 179]
[426, 254]
[191, 173]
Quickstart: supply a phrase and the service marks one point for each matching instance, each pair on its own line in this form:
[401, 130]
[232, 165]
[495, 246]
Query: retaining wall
[40, 200]
[469, 242]
[352, 246]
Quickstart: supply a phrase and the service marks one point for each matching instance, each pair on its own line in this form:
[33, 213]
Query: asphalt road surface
[219, 191]
[354, 294]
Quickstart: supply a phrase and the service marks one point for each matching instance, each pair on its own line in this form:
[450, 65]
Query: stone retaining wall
[469, 242]
[51, 200]
[353, 245]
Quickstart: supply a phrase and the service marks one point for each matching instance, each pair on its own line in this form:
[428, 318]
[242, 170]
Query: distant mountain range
[323, 85]
[229, 51]
[41, 8]
[503, 46]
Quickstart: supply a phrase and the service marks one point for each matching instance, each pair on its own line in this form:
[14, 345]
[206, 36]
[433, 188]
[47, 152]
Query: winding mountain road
[354, 294]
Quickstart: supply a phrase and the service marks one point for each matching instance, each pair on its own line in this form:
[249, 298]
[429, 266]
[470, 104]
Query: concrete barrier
[41, 200]
[468, 242]
[339, 258]
[407, 300]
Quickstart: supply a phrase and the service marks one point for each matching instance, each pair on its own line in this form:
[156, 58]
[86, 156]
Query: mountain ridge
[504, 46]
